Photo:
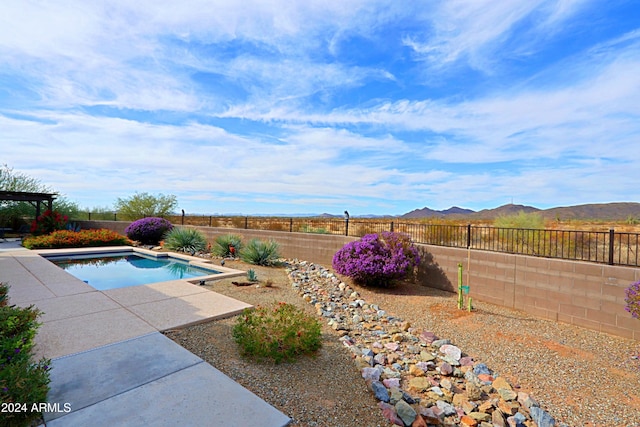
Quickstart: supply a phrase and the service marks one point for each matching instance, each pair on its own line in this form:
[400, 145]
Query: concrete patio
[109, 361]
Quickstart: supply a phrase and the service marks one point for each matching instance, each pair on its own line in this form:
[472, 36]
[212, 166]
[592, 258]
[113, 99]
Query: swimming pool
[105, 271]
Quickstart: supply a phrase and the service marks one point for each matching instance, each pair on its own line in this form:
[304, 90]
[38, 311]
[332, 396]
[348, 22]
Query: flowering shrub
[48, 222]
[377, 259]
[280, 333]
[75, 239]
[633, 300]
[148, 231]
[21, 381]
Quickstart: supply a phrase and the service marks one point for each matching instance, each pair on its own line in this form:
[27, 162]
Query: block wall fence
[580, 293]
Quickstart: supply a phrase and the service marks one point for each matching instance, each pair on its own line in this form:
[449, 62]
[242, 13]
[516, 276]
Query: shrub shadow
[430, 274]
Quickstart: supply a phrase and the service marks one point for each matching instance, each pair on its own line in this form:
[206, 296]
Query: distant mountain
[427, 213]
[600, 211]
[504, 210]
[605, 211]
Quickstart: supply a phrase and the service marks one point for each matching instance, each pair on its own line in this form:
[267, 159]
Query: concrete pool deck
[111, 364]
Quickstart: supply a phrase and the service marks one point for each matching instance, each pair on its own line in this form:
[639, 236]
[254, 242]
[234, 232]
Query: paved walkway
[110, 364]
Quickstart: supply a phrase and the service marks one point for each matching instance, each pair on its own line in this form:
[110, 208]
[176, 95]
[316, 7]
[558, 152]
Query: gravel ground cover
[582, 377]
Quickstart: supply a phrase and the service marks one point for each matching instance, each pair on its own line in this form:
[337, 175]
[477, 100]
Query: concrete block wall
[318, 248]
[580, 293]
[584, 294]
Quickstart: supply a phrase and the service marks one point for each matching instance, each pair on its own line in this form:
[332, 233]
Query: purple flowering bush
[633, 299]
[148, 231]
[377, 259]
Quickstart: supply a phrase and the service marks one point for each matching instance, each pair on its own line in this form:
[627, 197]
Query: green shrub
[259, 252]
[526, 220]
[222, 245]
[279, 333]
[22, 381]
[515, 231]
[76, 239]
[4, 294]
[184, 239]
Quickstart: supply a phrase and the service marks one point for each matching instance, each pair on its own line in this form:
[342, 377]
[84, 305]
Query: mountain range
[602, 211]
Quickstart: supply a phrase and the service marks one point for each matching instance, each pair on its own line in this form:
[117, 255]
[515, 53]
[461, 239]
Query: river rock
[447, 408]
[428, 337]
[542, 417]
[416, 371]
[380, 358]
[452, 351]
[440, 343]
[392, 346]
[481, 368]
[420, 384]
[405, 412]
[446, 369]
[391, 382]
[380, 391]
[389, 412]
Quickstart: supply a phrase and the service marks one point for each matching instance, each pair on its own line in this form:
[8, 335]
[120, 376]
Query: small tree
[142, 205]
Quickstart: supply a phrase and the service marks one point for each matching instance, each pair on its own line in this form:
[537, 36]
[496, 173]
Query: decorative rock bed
[418, 378]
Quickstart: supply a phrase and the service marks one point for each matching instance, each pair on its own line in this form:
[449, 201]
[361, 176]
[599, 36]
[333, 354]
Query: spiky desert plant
[260, 252]
[223, 243]
[251, 275]
[184, 239]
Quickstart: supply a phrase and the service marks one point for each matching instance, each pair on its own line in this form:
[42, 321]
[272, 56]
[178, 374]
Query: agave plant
[183, 239]
[260, 253]
[251, 275]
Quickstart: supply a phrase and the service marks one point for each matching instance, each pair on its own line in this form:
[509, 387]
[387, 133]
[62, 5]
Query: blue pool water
[119, 270]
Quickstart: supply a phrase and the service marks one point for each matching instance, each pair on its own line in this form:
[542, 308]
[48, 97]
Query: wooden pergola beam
[25, 196]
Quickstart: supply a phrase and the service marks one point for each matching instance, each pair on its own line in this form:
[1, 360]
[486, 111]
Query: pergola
[36, 199]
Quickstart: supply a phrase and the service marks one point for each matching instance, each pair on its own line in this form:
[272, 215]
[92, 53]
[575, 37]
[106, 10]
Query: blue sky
[281, 107]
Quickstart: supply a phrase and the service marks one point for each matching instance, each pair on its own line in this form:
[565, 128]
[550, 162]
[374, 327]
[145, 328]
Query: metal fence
[607, 247]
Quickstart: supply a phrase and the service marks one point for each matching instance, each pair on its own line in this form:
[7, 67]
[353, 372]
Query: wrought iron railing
[608, 247]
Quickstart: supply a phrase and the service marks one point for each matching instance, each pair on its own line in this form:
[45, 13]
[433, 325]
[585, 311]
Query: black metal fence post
[612, 237]
[346, 226]
[468, 235]
[391, 227]
[210, 220]
[115, 216]
[290, 225]
[246, 222]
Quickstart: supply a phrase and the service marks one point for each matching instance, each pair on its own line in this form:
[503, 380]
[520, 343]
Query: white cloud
[477, 31]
